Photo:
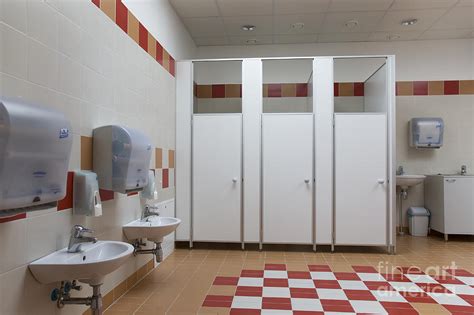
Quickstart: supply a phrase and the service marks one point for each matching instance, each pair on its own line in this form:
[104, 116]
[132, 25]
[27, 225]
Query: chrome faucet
[463, 169]
[148, 212]
[77, 238]
[400, 170]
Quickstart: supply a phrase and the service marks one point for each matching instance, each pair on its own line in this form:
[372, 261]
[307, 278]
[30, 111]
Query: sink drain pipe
[62, 296]
[157, 250]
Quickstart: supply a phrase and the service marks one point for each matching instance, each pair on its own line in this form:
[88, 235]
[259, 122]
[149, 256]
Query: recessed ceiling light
[352, 24]
[251, 41]
[248, 28]
[297, 26]
[393, 37]
[409, 22]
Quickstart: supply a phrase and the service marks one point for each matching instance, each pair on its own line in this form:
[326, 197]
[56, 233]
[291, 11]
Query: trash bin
[418, 221]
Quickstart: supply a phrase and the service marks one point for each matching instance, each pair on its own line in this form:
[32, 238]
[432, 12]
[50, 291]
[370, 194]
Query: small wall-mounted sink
[154, 228]
[90, 265]
[405, 181]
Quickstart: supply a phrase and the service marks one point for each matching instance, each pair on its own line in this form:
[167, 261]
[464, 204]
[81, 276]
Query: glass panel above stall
[217, 87]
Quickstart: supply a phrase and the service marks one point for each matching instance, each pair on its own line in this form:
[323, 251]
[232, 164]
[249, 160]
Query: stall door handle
[306, 181]
[381, 181]
[234, 179]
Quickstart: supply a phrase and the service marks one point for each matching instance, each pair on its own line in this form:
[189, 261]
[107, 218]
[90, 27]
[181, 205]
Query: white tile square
[370, 276]
[253, 302]
[251, 282]
[447, 299]
[420, 278]
[276, 292]
[331, 294]
[13, 52]
[405, 287]
[300, 283]
[459, 289]
[372, 307]
[388, 296]
[466, 280]
[321, 275]
[298, 304]
[275, 274]
[352, 285]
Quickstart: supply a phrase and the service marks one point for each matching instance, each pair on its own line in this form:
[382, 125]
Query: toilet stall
[286, 151]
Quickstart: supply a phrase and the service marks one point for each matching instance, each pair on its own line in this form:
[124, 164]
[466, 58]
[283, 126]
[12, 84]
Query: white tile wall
[68, 55]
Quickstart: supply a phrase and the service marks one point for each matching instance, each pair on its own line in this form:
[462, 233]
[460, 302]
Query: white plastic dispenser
[149, 191]
[86, 197]
[121, 158]
[35, 146]
[426, 133]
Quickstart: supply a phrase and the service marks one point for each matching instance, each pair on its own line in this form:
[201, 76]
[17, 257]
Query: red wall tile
[451, 87]
[172, 66]
[274, 90]
[106, 195]
[66, 203]
[121, 15]
[159, 53]
[420, 88]
[336, 89]
[13, 218]
[218, 90]
[165, 178]
[301, 89]
[358, 88]
[96, 2]
[143, 36]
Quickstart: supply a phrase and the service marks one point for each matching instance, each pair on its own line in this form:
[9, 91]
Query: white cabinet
[450, 200]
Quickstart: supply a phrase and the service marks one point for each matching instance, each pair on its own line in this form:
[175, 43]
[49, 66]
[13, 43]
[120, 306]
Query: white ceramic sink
[154, 228]
[90, 265]
[405, 181]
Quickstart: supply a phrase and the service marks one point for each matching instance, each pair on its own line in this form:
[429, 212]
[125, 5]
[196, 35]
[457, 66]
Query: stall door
[217, 153]
[287, 158]
[360, 179]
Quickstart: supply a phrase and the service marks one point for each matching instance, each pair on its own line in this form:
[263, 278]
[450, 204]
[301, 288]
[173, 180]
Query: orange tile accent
[158, 158]
[288, 90]
[346, 89]
[232, 90]
[133, 28]
[151, 46]
[131, 281]
[86, 153]
[204, 91]
[120, 289]
[466, 87]
[435, 87]
[170, 158]
[166, 60]
[108, 299]
[66, 203]
[265, 90]
[108, 7]
[405, 88]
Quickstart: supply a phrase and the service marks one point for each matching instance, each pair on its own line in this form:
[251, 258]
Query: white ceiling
[218, 22]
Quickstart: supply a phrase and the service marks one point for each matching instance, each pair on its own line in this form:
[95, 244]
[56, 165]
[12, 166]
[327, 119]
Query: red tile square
[326, 284]
[319, 268]
[66, 202]
[276, 303]
[274, 90]
[417, 297]
[412, 270]
[364, 269]
[159, 53]
[218, 90]
[226, 281]
[342, 306]
[106, 195]
[299, 275]
[379, 285]
[13, 218]
[301, 89]
[281, 267]
[459, 272]
[451, 87]
[458, 309]
[251, 273]
[399, 308]
[402, 311]
[307, 313]
[433, 288]
[395, 277]
[165, 178]
[172, 66]
[132, 194]
[275, 282]
[336, 89]
[362, 295]
[142, 36]
[468, 298]
[447, 279]
[249, 291]
[243, 311]
[121, 15]
[420, 87]
[346, 276]
[96, 2]
[218, 301]
[358, 88]
[305, 293]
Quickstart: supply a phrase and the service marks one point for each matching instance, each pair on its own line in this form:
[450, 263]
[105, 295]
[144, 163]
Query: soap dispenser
[86, 194]
[149, 191]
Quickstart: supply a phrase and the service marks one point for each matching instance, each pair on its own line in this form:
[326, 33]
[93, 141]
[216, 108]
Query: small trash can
[418, 221]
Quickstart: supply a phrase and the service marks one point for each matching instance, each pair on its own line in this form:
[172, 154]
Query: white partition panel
[287, 159]
[217, 180]
[360, 149]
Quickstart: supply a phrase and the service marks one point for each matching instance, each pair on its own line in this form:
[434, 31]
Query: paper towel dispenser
[121, 158]
[426, 132]
[35, 146]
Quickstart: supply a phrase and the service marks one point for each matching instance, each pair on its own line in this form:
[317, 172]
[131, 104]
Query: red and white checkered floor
[319, 290]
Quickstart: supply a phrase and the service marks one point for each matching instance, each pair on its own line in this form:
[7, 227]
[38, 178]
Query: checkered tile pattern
[319, 290]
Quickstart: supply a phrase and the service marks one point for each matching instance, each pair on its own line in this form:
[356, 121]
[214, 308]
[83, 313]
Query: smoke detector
[251, 41]
[352, 24]
[248, 28]
[409, 22]
[393, 37]
[297, 26]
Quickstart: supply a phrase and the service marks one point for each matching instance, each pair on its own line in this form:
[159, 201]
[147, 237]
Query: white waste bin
[418, 221]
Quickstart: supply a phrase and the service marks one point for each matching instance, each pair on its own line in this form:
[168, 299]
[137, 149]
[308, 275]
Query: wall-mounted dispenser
[426, 133]
[121, 158]
[149, 191]
[86, 194]
[35, 146]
